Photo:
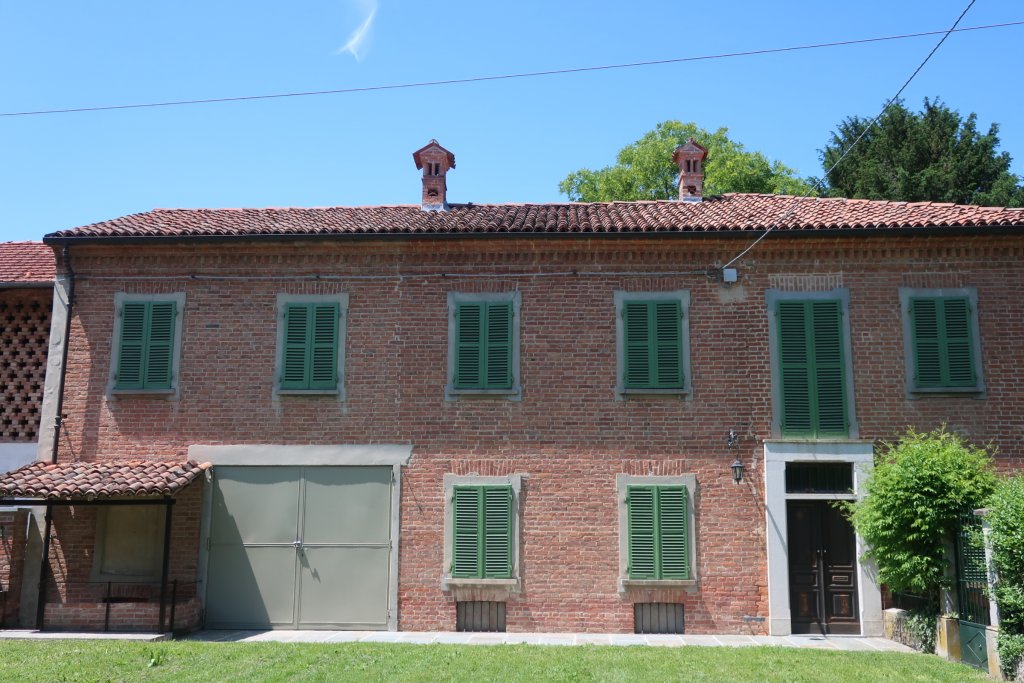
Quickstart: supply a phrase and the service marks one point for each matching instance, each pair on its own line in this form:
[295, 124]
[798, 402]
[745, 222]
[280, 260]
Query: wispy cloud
[358, 43]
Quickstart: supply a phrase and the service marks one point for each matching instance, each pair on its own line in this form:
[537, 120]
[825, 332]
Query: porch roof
[92, 480]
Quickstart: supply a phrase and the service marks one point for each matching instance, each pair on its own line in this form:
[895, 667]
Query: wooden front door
[822, 569]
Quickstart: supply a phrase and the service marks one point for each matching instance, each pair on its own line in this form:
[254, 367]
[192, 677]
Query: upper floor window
[483, 344]
[813, 386]
[310, 343]
[146, 343]
[941, 340]
[652, 342]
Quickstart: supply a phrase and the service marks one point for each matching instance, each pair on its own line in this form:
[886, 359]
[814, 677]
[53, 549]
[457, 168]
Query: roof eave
[61, 240]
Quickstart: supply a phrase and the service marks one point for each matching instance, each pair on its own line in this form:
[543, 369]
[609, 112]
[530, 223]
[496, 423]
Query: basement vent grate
[657, 617]
[478, 615]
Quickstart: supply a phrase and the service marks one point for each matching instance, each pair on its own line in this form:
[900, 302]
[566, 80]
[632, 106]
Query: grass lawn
[193, 661]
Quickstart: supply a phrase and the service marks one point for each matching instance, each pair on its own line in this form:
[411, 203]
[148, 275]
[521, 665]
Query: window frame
[283, 302]
[911, 390]
[456, 299]
[621, 298]
[122, 298]
[842, 295]
[623, 482]
[453, 481]
[155, 537]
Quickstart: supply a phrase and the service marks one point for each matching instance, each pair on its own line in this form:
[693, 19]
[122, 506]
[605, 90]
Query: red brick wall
[568, 434]
[12, 564]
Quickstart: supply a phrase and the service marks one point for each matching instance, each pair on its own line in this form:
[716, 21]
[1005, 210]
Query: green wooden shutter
[795, 369]
[813, 369]
[132, 347]
[469, 328]
[668, 344]
[295, 355]
[959, 343]
[159, 352]
[323, 350]
[829, 388]
[643, 545]
[497, 525]
[637, 345]
[673, 529]
[498, 346]
[943, 342]
[467, 539]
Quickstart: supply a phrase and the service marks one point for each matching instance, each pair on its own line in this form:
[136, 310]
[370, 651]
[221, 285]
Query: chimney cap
[689, 147]
[417, 156]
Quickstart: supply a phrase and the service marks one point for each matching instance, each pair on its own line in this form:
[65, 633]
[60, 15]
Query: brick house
[27, 271]
[546, 417]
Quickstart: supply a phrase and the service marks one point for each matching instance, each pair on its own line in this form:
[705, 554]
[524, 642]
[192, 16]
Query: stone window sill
[307, 392]
[481, 583]
[143, 392]
[513, 394]
[626, 584]
[652, 393]
[970, 392]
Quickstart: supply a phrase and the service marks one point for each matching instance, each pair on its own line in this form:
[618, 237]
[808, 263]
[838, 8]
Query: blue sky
[513, 140]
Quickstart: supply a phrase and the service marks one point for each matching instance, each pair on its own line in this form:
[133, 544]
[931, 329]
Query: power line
[500, 77]
[871, 124]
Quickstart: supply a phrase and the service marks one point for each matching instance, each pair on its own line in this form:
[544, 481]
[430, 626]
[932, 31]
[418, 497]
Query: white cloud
[358, 43]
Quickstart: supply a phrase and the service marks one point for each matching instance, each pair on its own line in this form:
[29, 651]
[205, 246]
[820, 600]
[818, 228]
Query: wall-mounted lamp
[732, 440]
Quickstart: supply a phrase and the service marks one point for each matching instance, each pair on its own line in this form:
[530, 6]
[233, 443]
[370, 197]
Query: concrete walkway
[14, 634]
[849, 643]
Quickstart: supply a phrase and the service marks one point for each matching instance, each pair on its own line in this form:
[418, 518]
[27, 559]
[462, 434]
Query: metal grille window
[657, 617]
[819, 477]
[479, 615]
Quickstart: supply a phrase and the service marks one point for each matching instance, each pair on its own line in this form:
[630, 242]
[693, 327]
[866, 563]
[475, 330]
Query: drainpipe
[58, 421]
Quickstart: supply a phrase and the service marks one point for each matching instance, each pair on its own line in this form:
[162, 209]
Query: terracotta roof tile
[26, 262]
[90, 480]
[729, 212]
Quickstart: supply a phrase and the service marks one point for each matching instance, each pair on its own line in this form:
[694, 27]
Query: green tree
[644, 169]
[915, 495]
[1006, 521]
[933, 155]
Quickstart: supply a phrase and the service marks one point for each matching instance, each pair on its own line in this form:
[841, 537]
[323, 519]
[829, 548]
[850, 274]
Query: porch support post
[44, 570]
[165, 569]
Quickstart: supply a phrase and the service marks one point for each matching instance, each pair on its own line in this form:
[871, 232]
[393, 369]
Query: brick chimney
[435, 161]
[689, 158]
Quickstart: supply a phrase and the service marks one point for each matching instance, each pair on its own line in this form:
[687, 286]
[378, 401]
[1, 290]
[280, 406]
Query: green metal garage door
[299, 547]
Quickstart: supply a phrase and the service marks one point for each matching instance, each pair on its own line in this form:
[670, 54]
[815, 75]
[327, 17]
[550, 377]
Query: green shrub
[1006, 521]
[1011, 652]
[915, 495]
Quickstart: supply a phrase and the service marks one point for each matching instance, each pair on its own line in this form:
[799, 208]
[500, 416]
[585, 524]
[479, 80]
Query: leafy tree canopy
[644, 169]
[933, 155]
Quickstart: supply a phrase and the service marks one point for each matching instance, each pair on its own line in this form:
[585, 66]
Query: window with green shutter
[652, 340]
[484, 345]
[942, 335]
[653, 347]
[145, 359]
[482, 532]
[658, 539]
[483, 357]
[812, 368]
[309, 357]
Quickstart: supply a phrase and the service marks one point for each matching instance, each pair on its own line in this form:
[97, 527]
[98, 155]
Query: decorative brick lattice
[24, 337]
